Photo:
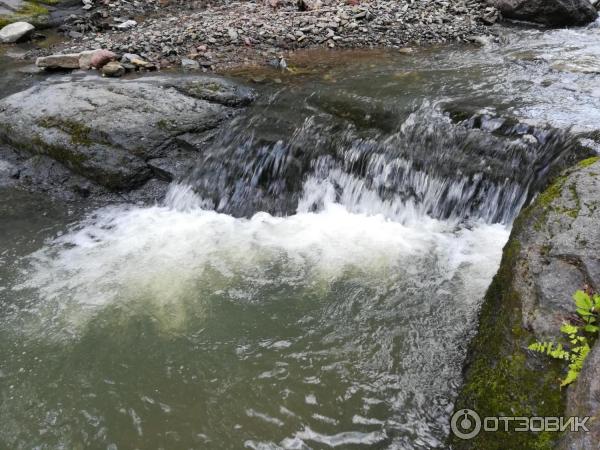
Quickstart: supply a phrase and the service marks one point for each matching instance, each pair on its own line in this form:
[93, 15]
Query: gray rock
[15, 31]
[555, 13]
[107, 131]
[67, 61]
[560, 251]
[553, 251]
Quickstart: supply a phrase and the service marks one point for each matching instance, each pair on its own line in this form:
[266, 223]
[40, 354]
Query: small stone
[127, 25]
[113, 69]
[128, 57]
[189, 64]
[233, 35]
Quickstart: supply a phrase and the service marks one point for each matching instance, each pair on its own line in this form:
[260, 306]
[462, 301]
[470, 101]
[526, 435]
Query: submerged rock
[555, 13]
[108, 131]
[553, 251]
[15, 32]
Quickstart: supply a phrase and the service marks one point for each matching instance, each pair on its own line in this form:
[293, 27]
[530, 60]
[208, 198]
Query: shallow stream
[314, 283]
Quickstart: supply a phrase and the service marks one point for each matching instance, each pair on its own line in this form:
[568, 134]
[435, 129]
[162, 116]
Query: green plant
[579, 336]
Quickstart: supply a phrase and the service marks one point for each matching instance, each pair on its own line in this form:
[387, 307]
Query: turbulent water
[311, 284]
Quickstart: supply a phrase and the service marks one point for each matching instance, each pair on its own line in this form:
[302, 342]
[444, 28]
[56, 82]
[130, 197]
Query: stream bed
[315, 281]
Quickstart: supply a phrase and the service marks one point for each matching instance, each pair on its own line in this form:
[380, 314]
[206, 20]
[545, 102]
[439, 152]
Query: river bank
[241, 33]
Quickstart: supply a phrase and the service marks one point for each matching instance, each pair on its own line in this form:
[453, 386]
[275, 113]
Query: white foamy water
[163, 251]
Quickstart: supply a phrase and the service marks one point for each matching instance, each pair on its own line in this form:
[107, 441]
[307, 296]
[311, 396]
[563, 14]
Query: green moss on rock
[33, 11]
[502, 378]
[79, 133]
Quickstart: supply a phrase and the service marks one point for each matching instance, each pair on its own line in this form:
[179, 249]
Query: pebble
[113, 69]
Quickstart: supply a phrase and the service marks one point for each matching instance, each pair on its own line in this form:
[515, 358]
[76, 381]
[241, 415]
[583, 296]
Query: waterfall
[427, 165]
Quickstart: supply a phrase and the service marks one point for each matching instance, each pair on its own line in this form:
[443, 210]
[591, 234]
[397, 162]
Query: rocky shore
[216, 36]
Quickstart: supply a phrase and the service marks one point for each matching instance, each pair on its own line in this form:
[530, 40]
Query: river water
[314, 282]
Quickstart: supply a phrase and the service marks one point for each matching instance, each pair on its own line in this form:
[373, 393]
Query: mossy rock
[34, 12]
[552, 242]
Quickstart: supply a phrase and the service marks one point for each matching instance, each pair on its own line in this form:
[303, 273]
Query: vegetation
[579, 336]
[33, 11]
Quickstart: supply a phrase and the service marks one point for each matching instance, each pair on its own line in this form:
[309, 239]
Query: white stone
[15, 31]
[127, 25]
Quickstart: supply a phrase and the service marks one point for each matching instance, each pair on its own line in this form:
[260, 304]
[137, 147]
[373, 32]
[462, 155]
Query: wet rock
[113, 69]
[482, 41]
[172, 168]
[66, 61]
[217, 90]
[553, 251]
[15, 32]
[555, 13]
[107, 131]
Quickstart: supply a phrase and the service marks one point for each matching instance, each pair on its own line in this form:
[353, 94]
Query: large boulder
[15, 32]
[554, 13]
[553, 251]
[108, 131]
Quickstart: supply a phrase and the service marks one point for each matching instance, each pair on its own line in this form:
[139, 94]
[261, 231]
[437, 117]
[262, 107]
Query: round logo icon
[465, 424]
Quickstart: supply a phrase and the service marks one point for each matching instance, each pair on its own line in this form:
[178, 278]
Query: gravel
[232, 34]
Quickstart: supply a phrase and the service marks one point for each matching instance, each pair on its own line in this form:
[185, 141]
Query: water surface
[313, 283]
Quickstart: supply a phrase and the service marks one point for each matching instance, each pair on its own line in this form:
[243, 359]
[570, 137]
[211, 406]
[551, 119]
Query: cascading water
[311, 284]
